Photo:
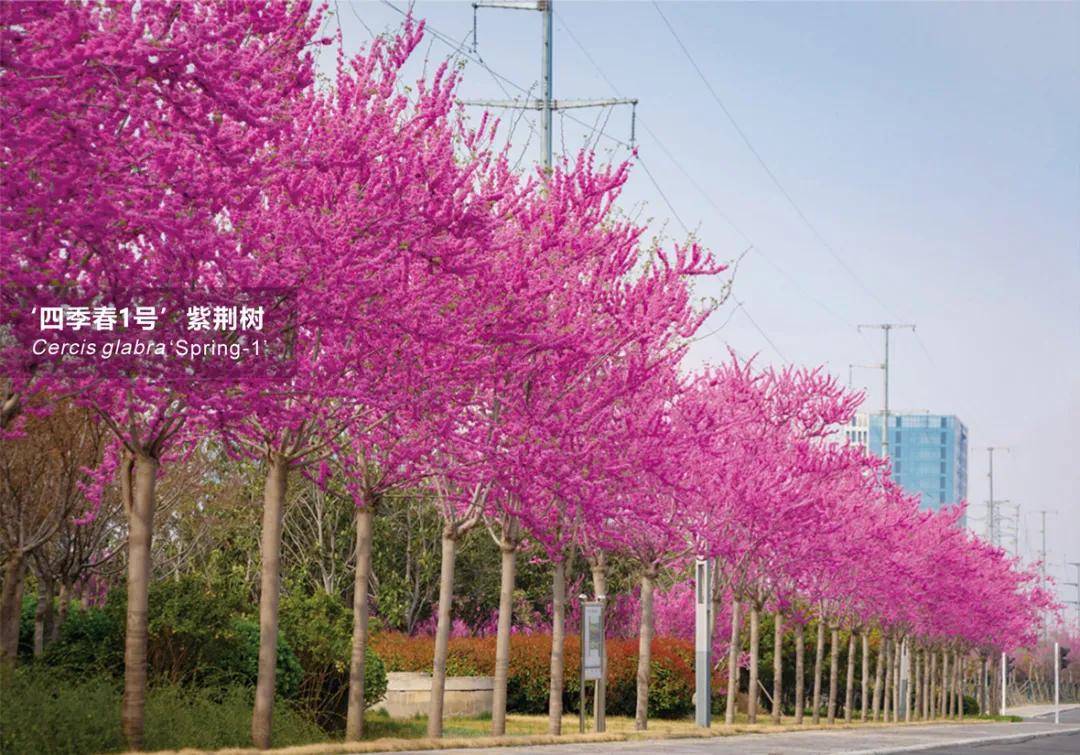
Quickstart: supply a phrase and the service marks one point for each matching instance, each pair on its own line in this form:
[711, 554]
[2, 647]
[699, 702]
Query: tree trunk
[645, 635]
[960, 686]
[11, 610]
[43, 614]
[64, 599]
[755, 639]
[800, 673]
[984, 692]
[269, 596]
[879, 671]
[733, 665]
[778, 667]
[442, 632]
[819, 658]
[945, 684]
[931, 698]
[896, 679]
[834, 672]
[849, 694]
[925, 709]
[140, 531]
[508, 573]
[354, 721]
[558, 636]
[917, 682]
[599, 576]
[886, 697]
[907, 662]
[864, 703]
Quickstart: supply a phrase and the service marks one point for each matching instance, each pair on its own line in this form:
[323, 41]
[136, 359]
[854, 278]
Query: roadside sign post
[592, 657]
[702, 643]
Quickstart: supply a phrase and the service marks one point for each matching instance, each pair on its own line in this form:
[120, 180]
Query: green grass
[44, 712]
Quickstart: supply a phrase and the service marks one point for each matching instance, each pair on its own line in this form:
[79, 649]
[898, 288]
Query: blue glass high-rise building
[929, 453]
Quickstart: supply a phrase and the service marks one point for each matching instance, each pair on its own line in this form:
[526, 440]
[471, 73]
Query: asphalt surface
[1024, 738]
[1061, 744]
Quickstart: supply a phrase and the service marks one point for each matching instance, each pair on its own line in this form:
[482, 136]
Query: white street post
[1057, 683]
[1004, 683]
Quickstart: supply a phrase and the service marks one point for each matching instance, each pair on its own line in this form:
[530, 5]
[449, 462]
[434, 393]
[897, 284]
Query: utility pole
[547, 103]
[885, 327]
[993, 526]
[1042, 552]
[1076, 584]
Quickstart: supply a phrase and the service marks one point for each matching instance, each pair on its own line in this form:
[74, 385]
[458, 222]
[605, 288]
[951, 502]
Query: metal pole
[702, 642]
[581, 666]
[547, 87]
[1057, 683]
[885, 433]
[1004, 684]
[990, 474]
[600, 722]
[1077, 565]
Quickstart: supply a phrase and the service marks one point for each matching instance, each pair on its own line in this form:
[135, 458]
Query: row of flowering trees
[508, 341]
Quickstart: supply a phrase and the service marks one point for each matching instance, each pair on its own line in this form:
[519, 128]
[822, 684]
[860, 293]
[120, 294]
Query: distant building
[929, 453]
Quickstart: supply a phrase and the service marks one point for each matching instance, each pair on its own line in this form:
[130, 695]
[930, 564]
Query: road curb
[1005, 739]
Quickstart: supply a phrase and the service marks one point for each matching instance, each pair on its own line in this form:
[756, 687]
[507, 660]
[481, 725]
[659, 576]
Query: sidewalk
[1034, 711]
[907, 738]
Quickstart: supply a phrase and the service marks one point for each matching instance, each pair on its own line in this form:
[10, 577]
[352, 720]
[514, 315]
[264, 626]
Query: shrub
[671, 690]
[319, 628]
[58, 714]
[197, 635]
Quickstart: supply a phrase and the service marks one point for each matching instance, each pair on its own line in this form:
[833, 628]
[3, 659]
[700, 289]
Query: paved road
[951, 739]
[1061, 744]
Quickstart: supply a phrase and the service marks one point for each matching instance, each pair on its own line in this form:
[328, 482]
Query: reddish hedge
[671, 690]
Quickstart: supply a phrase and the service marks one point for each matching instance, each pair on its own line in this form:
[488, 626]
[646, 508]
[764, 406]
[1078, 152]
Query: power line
[761, 161]
[501, 80]
[764, 335]
[697, 187]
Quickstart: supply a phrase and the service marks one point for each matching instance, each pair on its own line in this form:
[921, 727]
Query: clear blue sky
[935, 148]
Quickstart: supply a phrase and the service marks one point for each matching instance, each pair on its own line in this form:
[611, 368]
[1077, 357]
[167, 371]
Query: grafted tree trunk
[354, 720]
[508, 573]
[10, 610]
[778, 667]
[733, 665]
[43, 614]
[849, 693]
[800, 673]
[558, 637]
[879, 671]
[752, 692]
[864, 703]
[645, 636]
[140, 498]
[442, 631]
[819, 658]
[834, 671]
[269, 597]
